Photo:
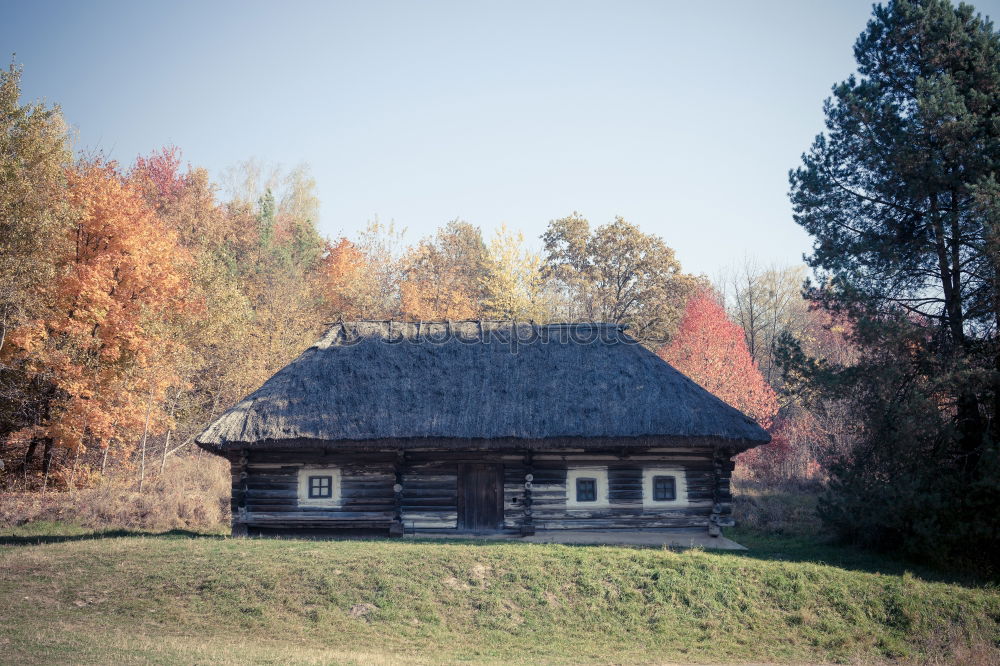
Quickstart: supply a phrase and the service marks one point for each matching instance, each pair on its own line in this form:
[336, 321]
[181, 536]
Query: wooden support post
[239, 503]
[528, 522]
[396, 528]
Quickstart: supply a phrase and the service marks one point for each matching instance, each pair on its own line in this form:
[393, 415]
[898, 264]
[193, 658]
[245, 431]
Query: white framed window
[319, 485]
[587, 488]
[664, 487]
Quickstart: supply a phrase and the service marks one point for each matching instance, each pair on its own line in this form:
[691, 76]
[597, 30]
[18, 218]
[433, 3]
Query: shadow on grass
[793, 549]
[823, 550]
[41, 539]
[779, 548]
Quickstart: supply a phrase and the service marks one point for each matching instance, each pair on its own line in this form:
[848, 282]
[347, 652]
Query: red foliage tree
[159, 175]
[712, 350]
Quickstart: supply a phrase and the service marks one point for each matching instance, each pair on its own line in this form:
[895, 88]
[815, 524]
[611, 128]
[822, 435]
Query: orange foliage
[429, 300]
[791, 453]
[99, 345]
[342, 268]
[711, 349]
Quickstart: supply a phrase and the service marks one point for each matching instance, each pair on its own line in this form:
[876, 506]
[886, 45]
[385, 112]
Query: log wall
[265, 490]
[549, 491]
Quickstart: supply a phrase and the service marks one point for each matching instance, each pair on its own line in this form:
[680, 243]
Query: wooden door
[480, 497]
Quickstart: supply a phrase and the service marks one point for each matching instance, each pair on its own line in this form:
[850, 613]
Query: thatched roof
[475, 384]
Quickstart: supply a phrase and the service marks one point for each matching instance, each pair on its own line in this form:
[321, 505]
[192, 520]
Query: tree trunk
[969, 420]
[994, 421]
[72, 474]
[166, 445]
[46, 462]
[145, 432]
[170, 430]
[29, 455]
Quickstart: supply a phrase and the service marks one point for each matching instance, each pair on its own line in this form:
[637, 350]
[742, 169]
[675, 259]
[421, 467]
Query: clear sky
[683, 117]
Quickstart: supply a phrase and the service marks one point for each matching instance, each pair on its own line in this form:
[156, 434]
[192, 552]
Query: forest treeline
[139, 302]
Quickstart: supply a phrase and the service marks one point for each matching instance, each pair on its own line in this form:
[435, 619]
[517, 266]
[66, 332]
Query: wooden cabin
[479, 427]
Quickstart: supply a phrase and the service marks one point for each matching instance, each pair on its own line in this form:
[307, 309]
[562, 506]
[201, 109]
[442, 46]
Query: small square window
[320, 487]
[586, 490]
[664, 488]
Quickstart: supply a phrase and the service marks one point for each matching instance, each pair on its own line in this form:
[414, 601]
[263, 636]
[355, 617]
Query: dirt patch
[513, 613]
[362, 611]
[456, 584]
[479, 574]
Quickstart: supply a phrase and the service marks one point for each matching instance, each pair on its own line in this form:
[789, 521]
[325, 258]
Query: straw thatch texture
[479, 384]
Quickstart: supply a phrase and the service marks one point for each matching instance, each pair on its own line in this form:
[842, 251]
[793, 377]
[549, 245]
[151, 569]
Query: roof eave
[736, 445]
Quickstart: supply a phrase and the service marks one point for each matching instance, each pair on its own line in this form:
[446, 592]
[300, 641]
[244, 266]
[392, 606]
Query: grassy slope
[184, 598]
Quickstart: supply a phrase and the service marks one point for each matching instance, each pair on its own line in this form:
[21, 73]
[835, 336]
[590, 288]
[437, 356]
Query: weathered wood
[399, 463]
[445, 491]
[429, 495]
[480, 508]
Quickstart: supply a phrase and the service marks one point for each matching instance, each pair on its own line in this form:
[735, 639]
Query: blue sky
[681, 117]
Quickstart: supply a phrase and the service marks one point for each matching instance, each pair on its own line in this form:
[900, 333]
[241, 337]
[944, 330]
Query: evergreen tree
[892, 194]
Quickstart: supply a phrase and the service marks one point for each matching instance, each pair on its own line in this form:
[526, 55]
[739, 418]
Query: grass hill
[72, 595]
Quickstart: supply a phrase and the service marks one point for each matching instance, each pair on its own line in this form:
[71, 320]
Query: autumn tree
[280, 256]
[616, 274]
[383, 250]
[34, 223]
[98, 345]
[514, 286]
[765, 301]
[293, 191]
[444, 275]
[212, 335]
[711, 350]
[342, 272]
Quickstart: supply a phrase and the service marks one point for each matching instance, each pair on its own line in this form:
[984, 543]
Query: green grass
[72, 595]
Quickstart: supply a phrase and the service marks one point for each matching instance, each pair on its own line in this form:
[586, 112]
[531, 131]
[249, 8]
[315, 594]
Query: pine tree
[892, 194]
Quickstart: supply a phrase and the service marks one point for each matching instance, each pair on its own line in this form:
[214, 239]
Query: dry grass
[788, 508]
[949, 646]
[192, 493]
